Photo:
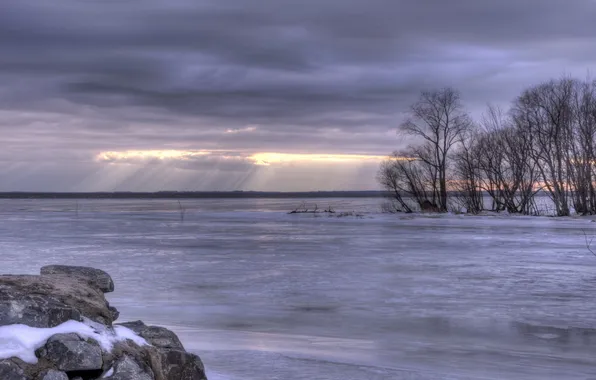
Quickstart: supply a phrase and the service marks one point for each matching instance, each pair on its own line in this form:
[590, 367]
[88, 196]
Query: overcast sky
[90, 89]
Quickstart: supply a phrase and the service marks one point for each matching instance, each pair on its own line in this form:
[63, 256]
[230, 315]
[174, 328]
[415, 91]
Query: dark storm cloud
[278, 63]
[80, 77]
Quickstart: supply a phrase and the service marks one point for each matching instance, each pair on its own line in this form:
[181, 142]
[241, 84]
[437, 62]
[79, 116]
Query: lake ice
[260, 294]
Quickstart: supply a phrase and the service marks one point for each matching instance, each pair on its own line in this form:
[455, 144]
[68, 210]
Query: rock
[114, 311]
[155, 335]
[68, 352]
[181, 365]
[52, 374]
[96, 277]
[174, 362]
[165, 363]
[127, 368]
[64, 293]
[11, 371]
[47, 301]
[35, 311]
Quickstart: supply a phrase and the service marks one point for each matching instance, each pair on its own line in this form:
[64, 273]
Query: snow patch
[109, 373]
[124, 333]
[21, 341]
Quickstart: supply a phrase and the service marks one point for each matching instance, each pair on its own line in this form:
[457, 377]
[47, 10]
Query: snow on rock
[156, 336]
[59, 326]
[21, 341]
[108, 373]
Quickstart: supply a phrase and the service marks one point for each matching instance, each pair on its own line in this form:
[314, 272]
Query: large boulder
[181, 365]
[170, 360]
[95, 277]
[52, 374]
[10, 371]
[65, 293]
[70, 353]
[47, 301]
[126, 368]
[33, 310]
[156, 336]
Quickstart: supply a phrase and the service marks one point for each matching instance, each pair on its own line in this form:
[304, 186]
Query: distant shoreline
[199, 194]
[191, 195]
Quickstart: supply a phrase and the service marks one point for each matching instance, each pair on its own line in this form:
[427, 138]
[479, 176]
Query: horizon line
[173, 194]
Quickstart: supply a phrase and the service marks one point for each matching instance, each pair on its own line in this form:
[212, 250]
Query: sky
[275, 95]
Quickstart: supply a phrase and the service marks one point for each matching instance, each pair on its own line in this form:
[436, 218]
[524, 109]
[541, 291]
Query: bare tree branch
[589, 243]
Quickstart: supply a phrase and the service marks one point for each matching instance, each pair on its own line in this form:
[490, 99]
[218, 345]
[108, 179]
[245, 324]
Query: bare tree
[405, 177]
[438, 119]
[582, 147]
[422, 172]
[491, 158]
[467, 175]
[391, 178]
[523, 181]
[545, 142]
[545, 112]
[507, 172]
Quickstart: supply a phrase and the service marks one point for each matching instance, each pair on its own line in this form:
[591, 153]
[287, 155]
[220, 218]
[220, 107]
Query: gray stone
[181, 365]
[96, 277]
[68, 352]
[59, 295]
[114, 311]
[11, 371]
[36, 311]
[126, 368]
[70, 337]
[169, 359]
[52, 374]
[165, 363]
[47, 301]
[155, 335]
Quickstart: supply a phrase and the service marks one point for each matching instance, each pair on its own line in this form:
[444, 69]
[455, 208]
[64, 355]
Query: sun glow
[268, 158]
[149, 154]
[154, 170]
[260, 159]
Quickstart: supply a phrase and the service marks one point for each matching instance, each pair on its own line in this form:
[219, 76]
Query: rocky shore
[59, 326]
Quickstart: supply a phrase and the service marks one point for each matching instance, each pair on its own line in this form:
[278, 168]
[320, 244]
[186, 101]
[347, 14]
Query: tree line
[544, 143]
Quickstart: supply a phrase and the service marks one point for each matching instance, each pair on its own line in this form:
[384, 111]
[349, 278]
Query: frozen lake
[260, 294]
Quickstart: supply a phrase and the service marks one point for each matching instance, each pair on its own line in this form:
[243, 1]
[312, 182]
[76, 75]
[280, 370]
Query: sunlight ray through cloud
[233, 170]
[261, 159]
[148, 154]
[268, 158]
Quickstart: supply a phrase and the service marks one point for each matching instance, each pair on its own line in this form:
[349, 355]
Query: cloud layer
[247, 76]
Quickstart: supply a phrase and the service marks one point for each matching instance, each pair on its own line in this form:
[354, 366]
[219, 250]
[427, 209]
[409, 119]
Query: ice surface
[261, 294]
[21, 341]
